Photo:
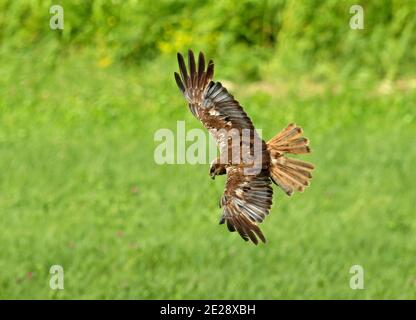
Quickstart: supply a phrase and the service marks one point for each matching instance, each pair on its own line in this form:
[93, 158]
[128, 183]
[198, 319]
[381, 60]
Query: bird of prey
[247, 198]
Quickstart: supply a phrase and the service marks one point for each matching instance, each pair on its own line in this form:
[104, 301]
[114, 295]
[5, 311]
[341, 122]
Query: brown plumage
[248, 194]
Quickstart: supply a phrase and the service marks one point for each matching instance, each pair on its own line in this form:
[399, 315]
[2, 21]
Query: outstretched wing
[209, 101]
[246, 201]
[216, 108]
[248, 194]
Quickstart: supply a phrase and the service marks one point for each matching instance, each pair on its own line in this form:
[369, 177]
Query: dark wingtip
[261, 236]
[182, 68]
[192, 66]
[191, 58]
[252, 237]
[179, 81]
[210, 69]
[244, 237]
[201, 64]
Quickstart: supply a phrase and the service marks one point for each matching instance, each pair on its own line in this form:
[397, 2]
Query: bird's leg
[217, 168]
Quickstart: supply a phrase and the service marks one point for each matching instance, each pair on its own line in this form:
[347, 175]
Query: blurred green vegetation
[286, 36]
[79, 186]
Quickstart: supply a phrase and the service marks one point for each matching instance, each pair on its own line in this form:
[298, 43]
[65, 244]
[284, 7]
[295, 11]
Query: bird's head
[216, 168]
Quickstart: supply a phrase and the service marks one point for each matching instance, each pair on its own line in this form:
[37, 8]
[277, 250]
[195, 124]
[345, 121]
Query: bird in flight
[251, 164]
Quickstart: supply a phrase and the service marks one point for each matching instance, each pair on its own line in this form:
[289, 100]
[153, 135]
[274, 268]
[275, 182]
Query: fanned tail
[289, 174]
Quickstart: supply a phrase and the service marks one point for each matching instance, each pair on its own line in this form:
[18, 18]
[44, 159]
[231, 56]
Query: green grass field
[79, 187]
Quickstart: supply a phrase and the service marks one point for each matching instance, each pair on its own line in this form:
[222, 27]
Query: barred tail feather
[289, 174]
